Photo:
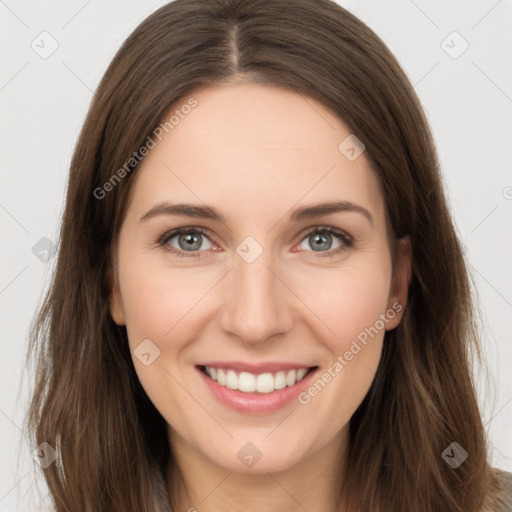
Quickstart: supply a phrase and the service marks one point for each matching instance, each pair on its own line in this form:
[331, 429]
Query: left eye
[320, 240]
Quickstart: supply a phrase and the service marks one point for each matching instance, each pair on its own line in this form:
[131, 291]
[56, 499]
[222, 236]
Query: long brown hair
[87, 401]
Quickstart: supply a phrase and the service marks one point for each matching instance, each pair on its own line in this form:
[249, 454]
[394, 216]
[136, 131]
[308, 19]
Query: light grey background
[467, 98]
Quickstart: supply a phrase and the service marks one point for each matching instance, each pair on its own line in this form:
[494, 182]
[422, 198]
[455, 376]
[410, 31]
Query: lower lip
[257, 403]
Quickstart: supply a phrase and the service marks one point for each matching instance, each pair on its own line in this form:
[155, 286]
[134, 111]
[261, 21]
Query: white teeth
[231, 380]
[249, 383]
[300, 373]
[291, 378]
[265, 383]
[280, 380]
[246, 382]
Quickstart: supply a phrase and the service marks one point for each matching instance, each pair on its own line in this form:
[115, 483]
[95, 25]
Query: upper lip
[255, 368]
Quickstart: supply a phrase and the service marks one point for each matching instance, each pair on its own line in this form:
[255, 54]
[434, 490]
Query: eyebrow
[302, 213]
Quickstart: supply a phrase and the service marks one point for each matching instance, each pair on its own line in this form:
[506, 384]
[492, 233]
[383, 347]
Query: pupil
[321, 238]
[188, 240]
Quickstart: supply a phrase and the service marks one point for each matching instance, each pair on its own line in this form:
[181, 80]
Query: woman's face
[255, 287]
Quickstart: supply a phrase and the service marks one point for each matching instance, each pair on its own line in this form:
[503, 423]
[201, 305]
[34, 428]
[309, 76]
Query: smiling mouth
[256, 383]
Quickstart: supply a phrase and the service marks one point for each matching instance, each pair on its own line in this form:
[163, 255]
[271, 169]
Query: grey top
[507, 492]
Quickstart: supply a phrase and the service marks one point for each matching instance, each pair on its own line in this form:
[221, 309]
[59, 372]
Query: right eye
[189, 241]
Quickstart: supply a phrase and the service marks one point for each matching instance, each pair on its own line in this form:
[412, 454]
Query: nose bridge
[255, 307]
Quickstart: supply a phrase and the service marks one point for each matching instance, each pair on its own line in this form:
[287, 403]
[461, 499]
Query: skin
[255, 153]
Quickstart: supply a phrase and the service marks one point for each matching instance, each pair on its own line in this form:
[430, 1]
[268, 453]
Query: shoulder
[506, 480]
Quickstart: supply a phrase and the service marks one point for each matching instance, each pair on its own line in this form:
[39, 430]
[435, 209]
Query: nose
[256, 303]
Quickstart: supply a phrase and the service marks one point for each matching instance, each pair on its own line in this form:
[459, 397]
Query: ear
[115, 300]
[400, 281]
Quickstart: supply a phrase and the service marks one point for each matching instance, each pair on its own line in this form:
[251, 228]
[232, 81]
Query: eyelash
[346, 240]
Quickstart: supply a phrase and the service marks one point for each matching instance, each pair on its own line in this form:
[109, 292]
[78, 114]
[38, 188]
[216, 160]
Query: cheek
[348, 300]
[160, 304]
[157, 299]
[352, 305]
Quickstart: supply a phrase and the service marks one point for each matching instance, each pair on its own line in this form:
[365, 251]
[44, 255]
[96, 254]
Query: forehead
[253, 148]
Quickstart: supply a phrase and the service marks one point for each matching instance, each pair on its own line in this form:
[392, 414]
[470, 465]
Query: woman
[260, 301]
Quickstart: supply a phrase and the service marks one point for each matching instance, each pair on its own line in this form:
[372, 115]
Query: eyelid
[185, 229]
[328, 229]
